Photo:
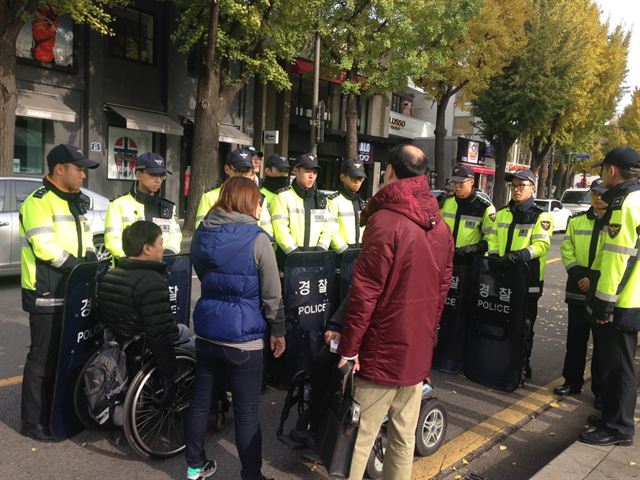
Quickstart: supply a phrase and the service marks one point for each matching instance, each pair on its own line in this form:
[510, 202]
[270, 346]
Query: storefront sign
[96, 147]
[409, 127]
[365, 152]
[473, 152]
[125, 146]
[271, 137]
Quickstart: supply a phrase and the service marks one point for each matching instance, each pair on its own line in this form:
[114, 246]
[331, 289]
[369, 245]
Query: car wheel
[101, 249]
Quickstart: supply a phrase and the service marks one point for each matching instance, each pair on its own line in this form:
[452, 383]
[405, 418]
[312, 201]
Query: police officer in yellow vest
[469, 216]
[55, 237]
[523, 233]
[299, 213]
[142, 202]
[345, 205]
[276, 176]
[615, 304]
[582, 239]
[238, 164]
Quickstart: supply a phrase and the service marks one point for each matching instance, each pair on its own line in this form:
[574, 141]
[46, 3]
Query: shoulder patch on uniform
[283, 189]
[492, 216]
[545, 224]
[614, 229]
[40, 192]
[333, 195]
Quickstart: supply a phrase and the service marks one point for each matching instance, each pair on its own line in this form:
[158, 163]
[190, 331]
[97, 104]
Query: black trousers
[576, 355]
[617, 350]
[532, 313]
[40, 367]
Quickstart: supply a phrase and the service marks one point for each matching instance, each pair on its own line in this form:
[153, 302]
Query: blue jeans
[243, 370]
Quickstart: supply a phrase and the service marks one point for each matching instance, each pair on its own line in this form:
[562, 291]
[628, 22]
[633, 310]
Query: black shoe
[604, 437]
[527, 371]
[566, 389]
[37, 432]
[597, 403]
[595, 421]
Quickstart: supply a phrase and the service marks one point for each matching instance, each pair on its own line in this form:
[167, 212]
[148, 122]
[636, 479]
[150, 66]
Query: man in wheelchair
[133, 299]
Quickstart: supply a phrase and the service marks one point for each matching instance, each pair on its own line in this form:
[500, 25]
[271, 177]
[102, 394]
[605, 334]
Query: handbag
[338, 430]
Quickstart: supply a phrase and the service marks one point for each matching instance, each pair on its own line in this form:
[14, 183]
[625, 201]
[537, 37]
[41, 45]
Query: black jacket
[134, 298]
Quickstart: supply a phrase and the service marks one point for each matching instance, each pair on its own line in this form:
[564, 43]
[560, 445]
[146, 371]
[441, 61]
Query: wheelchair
[150, 430]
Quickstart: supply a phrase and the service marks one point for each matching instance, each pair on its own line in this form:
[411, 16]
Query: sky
[627, 13]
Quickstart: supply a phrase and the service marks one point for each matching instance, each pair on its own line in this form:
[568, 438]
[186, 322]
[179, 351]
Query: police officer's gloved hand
[517, 256]
[167, 394]
[475, 249]
[91, 257]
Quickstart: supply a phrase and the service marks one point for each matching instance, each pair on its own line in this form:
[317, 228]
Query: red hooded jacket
[399, 286]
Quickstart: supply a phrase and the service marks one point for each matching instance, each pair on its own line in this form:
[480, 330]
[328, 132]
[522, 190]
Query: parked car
[13, 191]
[576, 199]
[559, 212]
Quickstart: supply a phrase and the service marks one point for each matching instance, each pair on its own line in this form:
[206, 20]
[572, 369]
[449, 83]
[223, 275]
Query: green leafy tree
[13, 16]
[625, 130]
[492, 39]
[238, 40]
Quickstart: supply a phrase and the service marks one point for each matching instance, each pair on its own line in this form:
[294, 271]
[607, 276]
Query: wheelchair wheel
[152, 431]
[80, 404]
[432, 427]
[376, 457]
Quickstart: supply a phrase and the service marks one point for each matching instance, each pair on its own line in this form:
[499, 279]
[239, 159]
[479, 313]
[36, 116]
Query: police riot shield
[496, 297]
[348, 261]
[309, 299]
[448, 354]
[179, 281]
[81, 336]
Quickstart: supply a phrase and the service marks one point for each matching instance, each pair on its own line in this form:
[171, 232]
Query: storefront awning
[481, 169]
[43, 105]
[147, 121]
[229, 134]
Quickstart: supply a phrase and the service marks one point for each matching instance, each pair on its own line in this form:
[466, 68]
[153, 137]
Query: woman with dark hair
[236, 265]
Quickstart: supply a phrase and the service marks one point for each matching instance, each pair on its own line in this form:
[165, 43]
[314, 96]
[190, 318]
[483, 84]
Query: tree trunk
[502, 147]
[558, 181]
[543, 173]
[204, 153]
[351, 115]
[8, 94]
[440, 133]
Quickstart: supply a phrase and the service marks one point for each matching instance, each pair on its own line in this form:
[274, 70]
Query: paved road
[471, 407]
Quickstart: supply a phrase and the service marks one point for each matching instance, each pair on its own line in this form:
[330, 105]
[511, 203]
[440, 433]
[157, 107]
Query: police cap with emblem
[308, 161]
[461, 173]
[240, 159]
[598, 186]
[65, 153]
[277, 160]
[625, 158]
[524, 174]
[353, 168]
[152, 162]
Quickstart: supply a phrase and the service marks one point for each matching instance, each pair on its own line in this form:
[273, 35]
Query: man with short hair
[523, 234]
[143, 202]
[346, 204]
[238, 164]
[276, 176]
[55, 237]
[394, 309]
[256, 160]
[470, 217]
[615, 304]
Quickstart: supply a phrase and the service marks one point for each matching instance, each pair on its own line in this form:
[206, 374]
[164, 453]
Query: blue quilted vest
[229, 305]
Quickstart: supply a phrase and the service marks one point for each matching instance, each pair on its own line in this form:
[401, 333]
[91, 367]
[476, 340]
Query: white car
[576, 199]
[559, 212]
[13, 191]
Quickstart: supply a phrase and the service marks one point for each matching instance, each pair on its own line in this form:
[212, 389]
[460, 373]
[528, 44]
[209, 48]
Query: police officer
[523, 233]
[142, 202]
[276, 176]
[615, 305]
[578, 251]
[469, 216]
[345, 205]
[55, 237]
[300, 216]
[238, 164]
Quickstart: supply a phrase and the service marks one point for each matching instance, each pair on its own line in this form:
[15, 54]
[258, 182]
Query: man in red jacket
[399, 286]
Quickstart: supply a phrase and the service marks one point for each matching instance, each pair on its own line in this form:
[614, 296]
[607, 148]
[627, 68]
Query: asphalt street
[471, 408]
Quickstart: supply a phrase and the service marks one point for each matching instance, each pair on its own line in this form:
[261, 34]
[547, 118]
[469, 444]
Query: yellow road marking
[553, 260]
[5, 382]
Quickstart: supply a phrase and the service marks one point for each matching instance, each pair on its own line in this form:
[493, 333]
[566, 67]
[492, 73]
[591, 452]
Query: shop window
[134, 35]
[28, 150]
[47, 40]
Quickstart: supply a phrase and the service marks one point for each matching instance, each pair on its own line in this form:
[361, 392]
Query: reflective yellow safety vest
[618, 289]
[303, 222]
[133, 206]
[210, 197]
[470, 219]
[54, 237]
[347, 213]
[583, 238]
[520, 227]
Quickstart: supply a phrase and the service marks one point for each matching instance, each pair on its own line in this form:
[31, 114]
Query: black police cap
[66, 153]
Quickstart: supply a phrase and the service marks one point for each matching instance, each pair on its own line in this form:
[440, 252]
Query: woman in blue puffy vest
[240, 300]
